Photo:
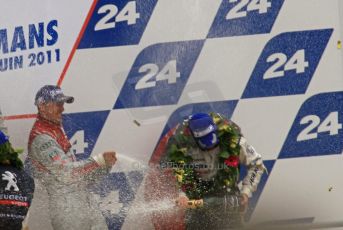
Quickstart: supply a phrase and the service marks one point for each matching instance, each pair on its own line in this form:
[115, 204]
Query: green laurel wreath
[227, 176]
[9, 155]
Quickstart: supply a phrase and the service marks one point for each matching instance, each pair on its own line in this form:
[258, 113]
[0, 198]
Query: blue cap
[203, 130]
[52, 93]
[3, 138]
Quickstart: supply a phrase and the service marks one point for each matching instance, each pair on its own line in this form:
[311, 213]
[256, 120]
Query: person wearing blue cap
[206, 152]
[54, 164]
[16, 188]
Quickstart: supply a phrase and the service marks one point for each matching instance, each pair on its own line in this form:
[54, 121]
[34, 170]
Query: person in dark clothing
[16, 188]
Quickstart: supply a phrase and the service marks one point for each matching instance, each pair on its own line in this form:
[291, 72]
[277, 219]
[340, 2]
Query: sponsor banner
[34, 48]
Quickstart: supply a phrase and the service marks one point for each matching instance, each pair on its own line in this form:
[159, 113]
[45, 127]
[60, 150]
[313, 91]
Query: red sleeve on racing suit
[46, 154]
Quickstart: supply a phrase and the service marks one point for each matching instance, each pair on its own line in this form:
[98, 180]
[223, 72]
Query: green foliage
[9, 155]
[182, 142]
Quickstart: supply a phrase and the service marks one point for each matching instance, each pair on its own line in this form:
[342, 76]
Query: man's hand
[184, 202]
[110, 158]
[244, 199]
[244, 202]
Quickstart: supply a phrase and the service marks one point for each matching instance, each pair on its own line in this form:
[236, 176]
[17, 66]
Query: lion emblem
[12, 181]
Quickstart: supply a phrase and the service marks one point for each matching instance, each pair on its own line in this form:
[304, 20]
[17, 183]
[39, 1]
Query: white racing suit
[248, 157]
[253, 161]
[65, 179]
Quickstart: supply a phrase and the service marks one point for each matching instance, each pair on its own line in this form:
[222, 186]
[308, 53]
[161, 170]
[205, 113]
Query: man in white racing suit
[54, 165]
[206, 152]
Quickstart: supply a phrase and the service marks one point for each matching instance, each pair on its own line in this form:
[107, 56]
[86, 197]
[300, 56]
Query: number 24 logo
[78, 142]
[297, 62]
[330, 124]
[238, 12]
[168, 72]
[128, 13]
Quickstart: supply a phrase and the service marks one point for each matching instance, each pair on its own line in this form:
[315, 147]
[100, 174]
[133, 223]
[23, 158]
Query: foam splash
[149, 207]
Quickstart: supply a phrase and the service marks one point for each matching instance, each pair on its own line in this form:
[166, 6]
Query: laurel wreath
[228, 158]
[9, 155]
